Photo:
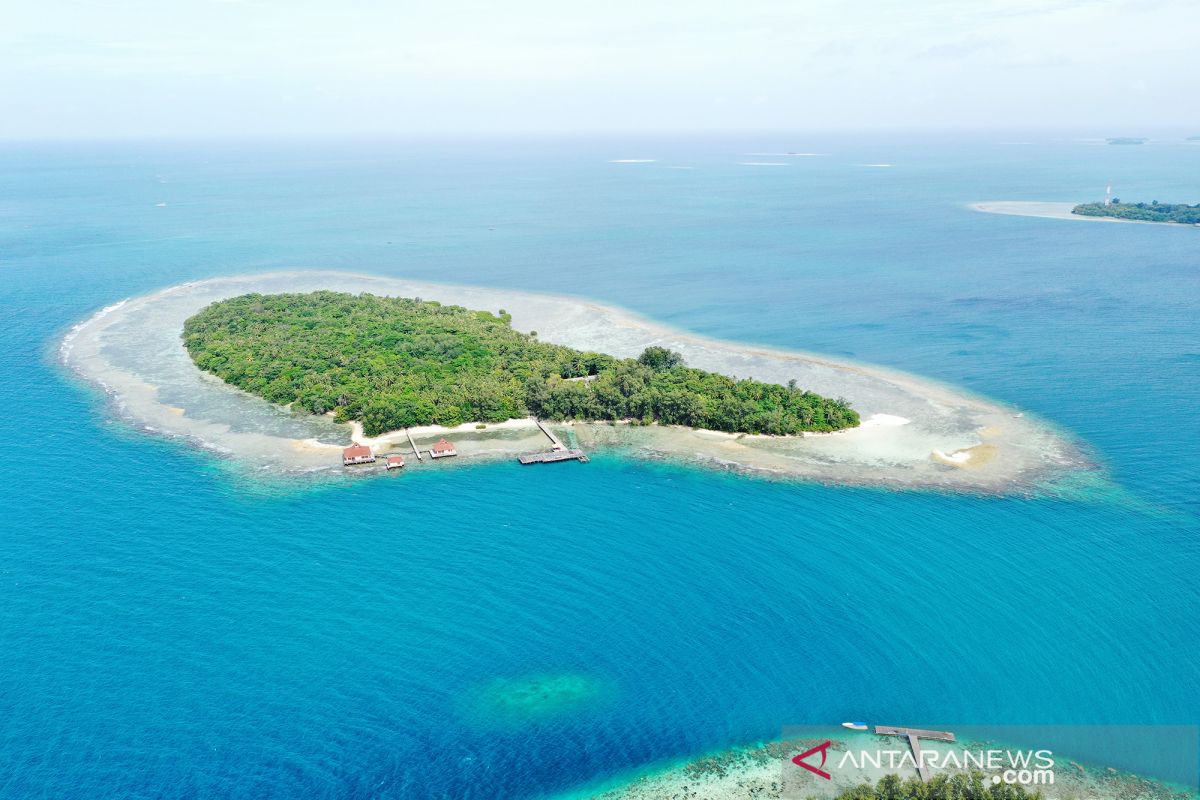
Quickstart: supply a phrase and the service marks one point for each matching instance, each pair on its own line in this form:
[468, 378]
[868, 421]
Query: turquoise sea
[170, 627]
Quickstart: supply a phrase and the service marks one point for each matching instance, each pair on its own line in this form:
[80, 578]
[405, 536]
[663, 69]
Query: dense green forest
[940, 787]
[395, 362]
[1146, 212]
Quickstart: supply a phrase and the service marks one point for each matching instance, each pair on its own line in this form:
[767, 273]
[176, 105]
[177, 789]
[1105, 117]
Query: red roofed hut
[357, 454]
[394, 462]
[441, 449]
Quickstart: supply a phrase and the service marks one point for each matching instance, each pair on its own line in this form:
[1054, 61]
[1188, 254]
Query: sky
[137, 68]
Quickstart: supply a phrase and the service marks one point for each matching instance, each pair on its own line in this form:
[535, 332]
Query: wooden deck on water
[914, 736]
[555, 442]
[414, 444]
[941, 736]
[559, 451]
[553, 455]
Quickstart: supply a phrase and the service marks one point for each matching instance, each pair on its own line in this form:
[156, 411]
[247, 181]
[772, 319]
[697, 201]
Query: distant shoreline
[1053, 210]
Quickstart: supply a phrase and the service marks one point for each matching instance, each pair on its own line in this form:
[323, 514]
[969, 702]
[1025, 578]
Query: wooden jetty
[553, 455]
[914, 736]
[414, 444]
[558, 451]
[554, 440]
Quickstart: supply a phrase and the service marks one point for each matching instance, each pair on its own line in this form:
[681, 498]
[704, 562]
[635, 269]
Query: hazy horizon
[260, 68]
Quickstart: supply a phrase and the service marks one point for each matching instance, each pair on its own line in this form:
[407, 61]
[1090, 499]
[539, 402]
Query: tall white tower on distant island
[1108, 195]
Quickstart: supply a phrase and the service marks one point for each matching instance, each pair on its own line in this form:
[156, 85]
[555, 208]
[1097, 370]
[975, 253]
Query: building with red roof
[441, 449]
[357, 454]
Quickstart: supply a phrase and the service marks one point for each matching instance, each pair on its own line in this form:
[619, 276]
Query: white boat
[856, 726]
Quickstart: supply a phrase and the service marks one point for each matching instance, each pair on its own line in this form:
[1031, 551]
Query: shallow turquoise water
[171, 628]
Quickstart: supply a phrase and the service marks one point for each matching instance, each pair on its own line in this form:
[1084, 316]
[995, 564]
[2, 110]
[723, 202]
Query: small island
[1142, 212]
[395, 362]
[325, 344]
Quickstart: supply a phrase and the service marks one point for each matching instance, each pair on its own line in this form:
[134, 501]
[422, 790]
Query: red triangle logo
[821, 748]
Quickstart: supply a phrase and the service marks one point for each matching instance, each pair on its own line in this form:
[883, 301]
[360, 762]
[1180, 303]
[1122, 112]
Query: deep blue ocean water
[171, 628]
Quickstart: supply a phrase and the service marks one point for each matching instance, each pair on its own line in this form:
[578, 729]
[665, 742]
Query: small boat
[856, 726]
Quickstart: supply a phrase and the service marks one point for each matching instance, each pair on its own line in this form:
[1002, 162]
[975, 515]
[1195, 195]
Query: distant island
[1142, 212]
[1126, 140]
[393, 362]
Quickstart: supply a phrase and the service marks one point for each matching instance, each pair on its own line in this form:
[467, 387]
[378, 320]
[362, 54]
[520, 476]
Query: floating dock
[941, 736]
[553, 455]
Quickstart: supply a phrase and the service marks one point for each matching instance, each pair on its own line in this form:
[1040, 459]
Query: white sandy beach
[915, 432]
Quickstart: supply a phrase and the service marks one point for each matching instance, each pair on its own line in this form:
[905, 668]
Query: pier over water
[558, 451]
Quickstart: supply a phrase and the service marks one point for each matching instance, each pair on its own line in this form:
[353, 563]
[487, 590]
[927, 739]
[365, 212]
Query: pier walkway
[914, 736]
[554, 440]
[553, 455]
[558, 451]
[414, 444]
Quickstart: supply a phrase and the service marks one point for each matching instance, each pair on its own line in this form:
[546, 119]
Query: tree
[941, 787]
[398, 362]
[660, 358]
